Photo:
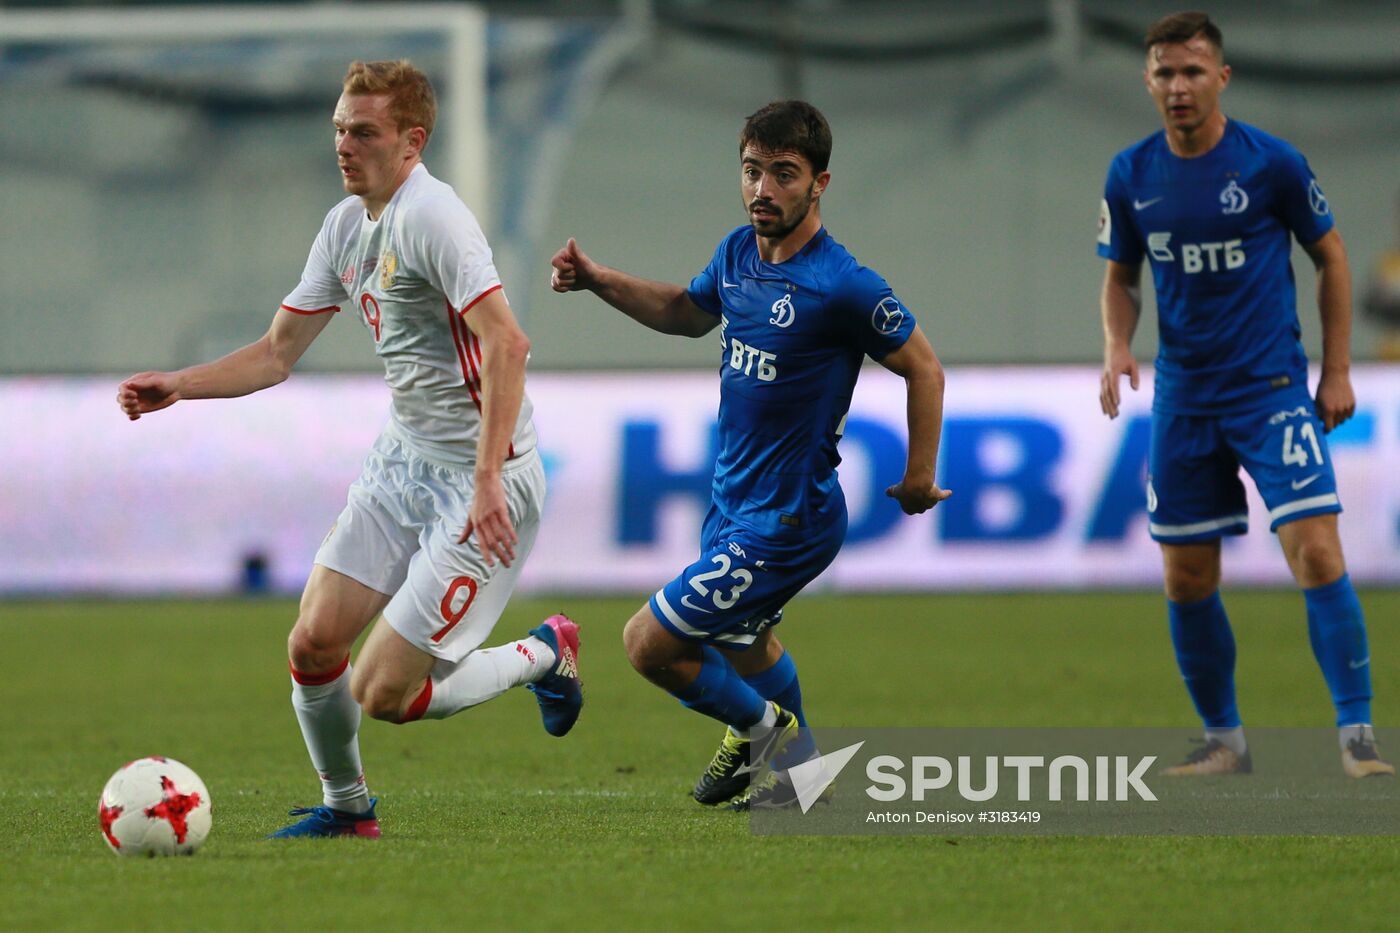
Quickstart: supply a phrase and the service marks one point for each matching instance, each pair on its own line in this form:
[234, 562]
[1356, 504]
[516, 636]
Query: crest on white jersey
[388, 265]
[1105, 223]
[1233, 199]
[1157, 246]
[1317, 199]
[887, 317]
[783, 312]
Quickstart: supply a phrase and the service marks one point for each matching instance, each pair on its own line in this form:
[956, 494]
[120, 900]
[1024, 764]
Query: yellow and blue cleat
[771, 792]
[737, 759]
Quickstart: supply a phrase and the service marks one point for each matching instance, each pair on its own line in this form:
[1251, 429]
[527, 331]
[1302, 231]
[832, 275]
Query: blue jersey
[793, 335]
[1216, 229]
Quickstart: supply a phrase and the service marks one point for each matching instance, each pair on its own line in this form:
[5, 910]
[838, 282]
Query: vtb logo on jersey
[1198, 257]
[1233, 199]
[783, 312]
[1157, 245]
[887, 317]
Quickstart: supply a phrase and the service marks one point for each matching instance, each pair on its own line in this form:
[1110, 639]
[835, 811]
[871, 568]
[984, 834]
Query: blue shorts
[1194, 492]
[741, 582]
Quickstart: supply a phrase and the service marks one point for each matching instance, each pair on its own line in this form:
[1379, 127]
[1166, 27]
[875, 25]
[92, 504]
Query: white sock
[1233, 739]
[769, 720]
[487, 673]
[330, 724]
[1362, 731]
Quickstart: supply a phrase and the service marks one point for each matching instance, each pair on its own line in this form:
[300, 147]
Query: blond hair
[411, 98]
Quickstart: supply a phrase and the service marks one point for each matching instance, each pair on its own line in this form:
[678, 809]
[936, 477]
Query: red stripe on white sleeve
[452, 325]
[473, 357]
[463, 356]
[474, 344]
[331, 308]
[472, 304]
[469, 338]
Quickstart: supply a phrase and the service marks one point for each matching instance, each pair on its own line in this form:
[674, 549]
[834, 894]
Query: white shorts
[398, 535]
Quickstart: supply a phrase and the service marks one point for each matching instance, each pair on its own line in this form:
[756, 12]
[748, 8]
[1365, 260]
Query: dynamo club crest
[783, 312]
[1233, 199]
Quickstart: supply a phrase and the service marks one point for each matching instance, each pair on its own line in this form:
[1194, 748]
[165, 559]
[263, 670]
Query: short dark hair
[793, 125]
[1183, 27]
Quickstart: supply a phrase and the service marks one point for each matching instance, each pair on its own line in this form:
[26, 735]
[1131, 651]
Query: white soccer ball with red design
[154, 806]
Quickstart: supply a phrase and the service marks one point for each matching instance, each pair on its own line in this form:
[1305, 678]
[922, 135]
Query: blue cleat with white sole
[325, 822]
[560, 692]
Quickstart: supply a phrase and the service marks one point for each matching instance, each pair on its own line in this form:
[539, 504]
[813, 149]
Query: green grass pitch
[489, 823]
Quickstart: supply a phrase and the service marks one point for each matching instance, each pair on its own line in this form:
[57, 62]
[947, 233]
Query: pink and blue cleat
[322, 822]
[560, 692]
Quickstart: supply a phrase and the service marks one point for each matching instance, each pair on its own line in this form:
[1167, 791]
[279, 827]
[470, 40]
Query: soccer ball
[154, 806]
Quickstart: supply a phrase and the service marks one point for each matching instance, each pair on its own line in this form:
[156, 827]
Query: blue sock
[1205, 653]
[1338, 635]
[779, 684]
[720, 693]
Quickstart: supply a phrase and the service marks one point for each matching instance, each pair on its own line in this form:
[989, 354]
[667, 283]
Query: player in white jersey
[446, 509]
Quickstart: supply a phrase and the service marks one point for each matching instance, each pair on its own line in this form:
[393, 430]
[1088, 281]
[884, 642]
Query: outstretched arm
[504, 350]
[260, 364]
[1336, 402]
[659, 305]
[1120, 304]
[923, 381]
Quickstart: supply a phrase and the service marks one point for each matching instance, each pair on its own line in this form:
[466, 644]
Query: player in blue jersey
[1212, 204]
[797, 315]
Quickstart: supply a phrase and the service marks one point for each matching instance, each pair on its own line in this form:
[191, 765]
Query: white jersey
[412, 276]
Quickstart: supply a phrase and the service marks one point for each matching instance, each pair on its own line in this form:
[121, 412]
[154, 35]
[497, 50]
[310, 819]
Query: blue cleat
[560, 692]
[322, 822]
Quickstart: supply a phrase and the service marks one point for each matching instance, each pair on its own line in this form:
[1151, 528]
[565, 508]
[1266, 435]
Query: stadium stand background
[971, 144]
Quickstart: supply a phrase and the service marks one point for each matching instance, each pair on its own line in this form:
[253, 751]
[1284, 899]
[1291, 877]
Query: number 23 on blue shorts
[739, 585]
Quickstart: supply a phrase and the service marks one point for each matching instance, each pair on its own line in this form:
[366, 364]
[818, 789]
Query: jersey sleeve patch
[1117, 239]
[1301, 203]
[881, 322]
[888, 317]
